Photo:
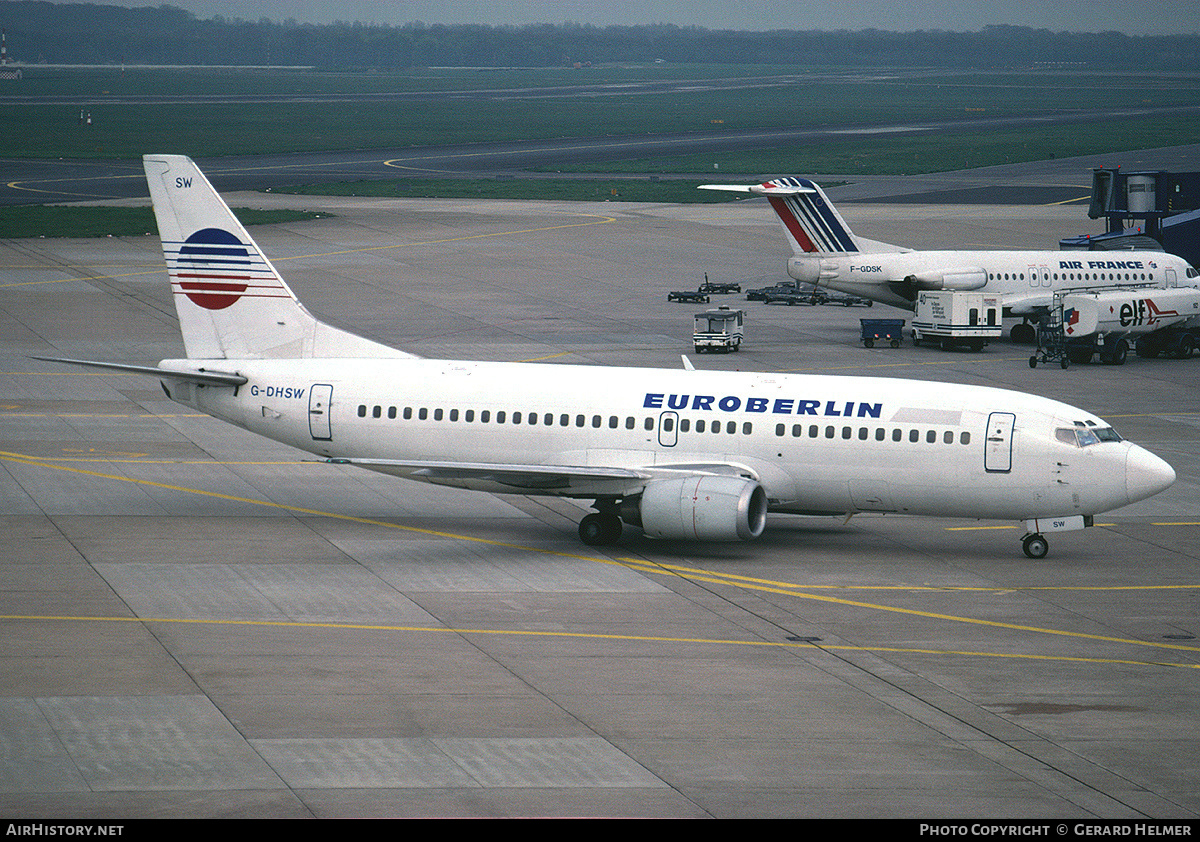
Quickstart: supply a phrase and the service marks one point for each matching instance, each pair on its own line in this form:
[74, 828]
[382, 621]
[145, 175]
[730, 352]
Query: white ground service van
[957, 318]
[718, 330]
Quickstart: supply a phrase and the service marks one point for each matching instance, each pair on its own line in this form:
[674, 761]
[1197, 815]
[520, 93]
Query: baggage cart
[882, 330]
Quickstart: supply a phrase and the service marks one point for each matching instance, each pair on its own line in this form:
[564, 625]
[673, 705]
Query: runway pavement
[199, 623]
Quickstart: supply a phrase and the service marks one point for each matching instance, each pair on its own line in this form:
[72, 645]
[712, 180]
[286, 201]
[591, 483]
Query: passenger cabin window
[1080, 435]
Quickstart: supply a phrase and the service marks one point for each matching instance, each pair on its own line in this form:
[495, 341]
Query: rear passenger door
[320, 396]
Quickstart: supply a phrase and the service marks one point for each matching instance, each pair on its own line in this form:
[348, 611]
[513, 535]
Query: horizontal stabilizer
[210, 378]
[769, 189]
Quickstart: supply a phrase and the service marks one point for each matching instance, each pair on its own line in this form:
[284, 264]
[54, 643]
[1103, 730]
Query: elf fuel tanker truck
[1110, 321]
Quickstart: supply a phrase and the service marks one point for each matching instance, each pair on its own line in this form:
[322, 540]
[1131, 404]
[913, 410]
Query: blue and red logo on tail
[214, 269]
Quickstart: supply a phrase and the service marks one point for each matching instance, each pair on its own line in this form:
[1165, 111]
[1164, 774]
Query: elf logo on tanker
[1143, 311]
[214, 269]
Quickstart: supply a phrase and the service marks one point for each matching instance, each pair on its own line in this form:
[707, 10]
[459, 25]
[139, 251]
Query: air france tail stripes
[791, 224]
[812, 225]
[809, 219]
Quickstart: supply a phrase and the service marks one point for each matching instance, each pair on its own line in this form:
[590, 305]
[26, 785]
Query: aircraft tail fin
[232, 303]
[811, 224]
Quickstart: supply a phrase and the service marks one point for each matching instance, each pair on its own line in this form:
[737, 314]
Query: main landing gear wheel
[1035, 546]
[599, 529]
[1023, 334]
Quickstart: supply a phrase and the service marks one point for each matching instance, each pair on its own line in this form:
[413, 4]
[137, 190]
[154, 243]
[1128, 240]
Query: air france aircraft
[825, 251]
[682, 454]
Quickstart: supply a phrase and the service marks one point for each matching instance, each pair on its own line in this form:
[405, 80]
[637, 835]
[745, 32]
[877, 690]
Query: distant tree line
[97, 34]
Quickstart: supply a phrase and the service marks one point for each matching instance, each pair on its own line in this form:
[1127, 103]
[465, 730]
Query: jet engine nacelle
[806, 270]
[704, 509]
[962, 278]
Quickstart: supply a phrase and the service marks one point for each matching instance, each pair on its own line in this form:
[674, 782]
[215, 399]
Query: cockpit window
[1106, 434]
[1085, 436]
[1192, 273]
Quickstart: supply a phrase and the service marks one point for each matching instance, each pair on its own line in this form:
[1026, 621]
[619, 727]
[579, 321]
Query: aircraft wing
[557, 480]
[1027, 304]
[560, 480]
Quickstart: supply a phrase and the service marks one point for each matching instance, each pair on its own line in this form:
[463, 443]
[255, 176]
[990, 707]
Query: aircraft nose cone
[1145, 474]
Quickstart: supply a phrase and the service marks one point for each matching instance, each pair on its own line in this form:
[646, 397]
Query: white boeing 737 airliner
[683, 454]
[826, 252]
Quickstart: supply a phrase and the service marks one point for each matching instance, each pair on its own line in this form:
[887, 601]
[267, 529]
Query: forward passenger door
[997, 455]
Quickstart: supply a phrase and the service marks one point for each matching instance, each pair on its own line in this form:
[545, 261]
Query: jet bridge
[1153, 210]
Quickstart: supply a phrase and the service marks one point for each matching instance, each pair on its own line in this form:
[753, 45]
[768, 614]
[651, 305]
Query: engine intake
[704, 509]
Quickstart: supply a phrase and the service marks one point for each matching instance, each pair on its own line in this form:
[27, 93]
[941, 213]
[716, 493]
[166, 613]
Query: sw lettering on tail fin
[232, 303]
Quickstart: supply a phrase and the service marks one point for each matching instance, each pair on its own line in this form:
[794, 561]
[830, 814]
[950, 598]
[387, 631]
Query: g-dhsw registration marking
[285, 392]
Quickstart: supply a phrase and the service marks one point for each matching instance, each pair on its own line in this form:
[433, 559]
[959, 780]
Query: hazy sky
[1155, 17]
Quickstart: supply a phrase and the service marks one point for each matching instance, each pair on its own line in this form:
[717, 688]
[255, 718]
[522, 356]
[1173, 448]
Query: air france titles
[772, 406]
[1104, 264]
